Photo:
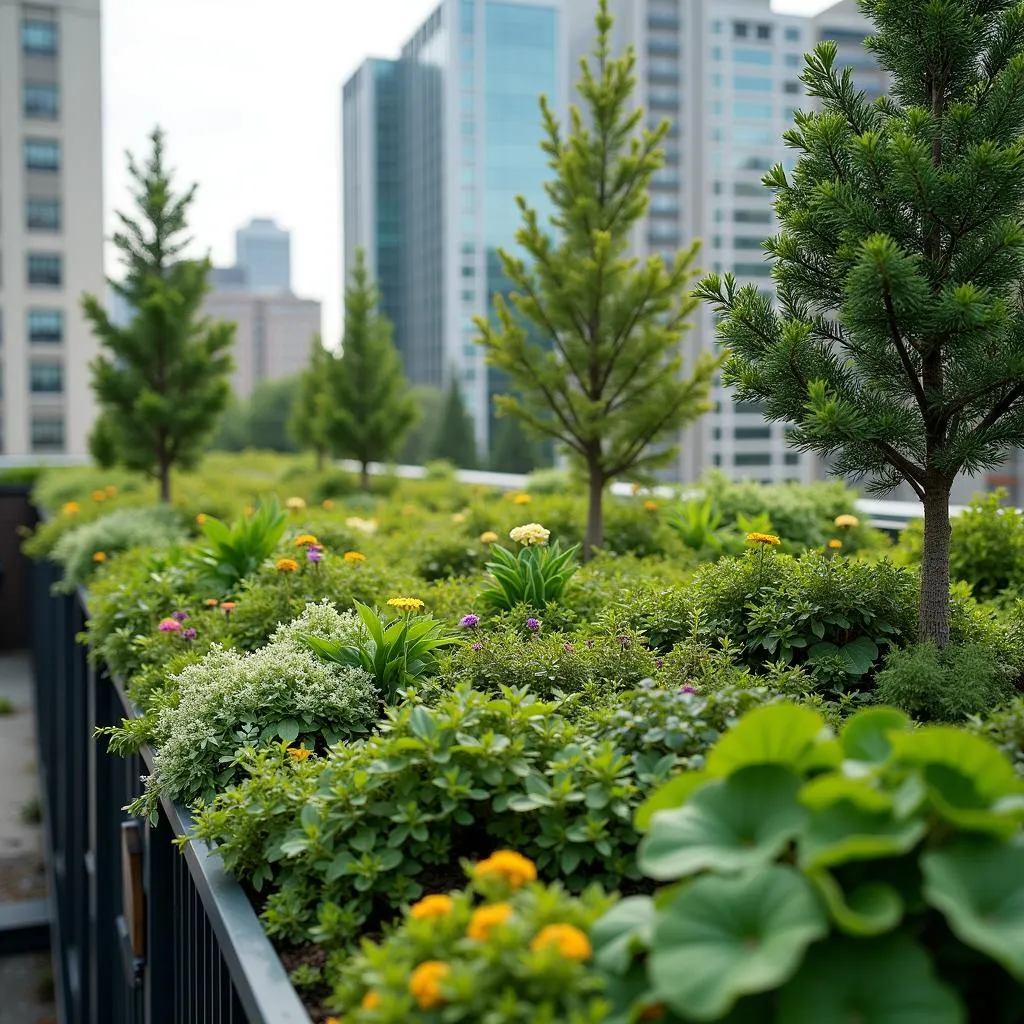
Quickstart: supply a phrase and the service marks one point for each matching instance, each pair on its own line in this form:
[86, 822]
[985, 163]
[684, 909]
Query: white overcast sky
[249, 93]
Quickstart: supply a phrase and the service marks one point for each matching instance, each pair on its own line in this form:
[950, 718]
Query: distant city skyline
[251, 107]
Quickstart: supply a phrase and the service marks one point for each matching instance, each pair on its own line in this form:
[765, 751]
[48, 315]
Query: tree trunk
[595, 514]
[364, 475]
[934, 617]
[165, 480]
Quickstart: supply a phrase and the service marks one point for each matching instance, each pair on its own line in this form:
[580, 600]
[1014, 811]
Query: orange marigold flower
[287, 565]
[570, 942]
[522, 499]
[201, 518]
[111, 490]
[425, 983]
[354, 556]
[333, 1020]
[651, 506]
[70, 508]
[99, 495]
[484, 919]
[99, 556]
[228, 606]
[299, 753]
[835, 544]
[763, 538]
[211, 602]
[516, 869]
[305, 539]
[488, 537]
[438, 905]
[371, 1000]
[327, 504]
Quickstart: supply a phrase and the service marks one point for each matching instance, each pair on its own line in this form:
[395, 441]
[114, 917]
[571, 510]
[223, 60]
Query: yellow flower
[201, 518]
[333, 1020]
[295, 504]
[835, 544]
[522, 499]
[354, 556]
[635, 489]
[305, 538]
[70, 508]
[529, 534]
[458, 517]
[651, 506]
[408, 510]
[250, 510]
[763, 538]
[406, 604]
[846, 520]
[486, 918]
[570, 942]
[488, 537]
[211, 602]
[99, 495]
[516, 869]
[425, 983]
[287, 565]
[111, 490]
[363, 525]
[438, 905]
[327, 504]
[299, 753]
[99, 556]
[370, 1001]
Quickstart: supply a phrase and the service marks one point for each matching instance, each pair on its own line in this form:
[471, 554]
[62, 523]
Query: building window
[42, 155]
[45, 326]
[43, 215]
[792, 60]
[751, 136]
[747, 242]
[752, 459]
[792, 458]
[45, 270]
[752, 83]
[791, 87]
[752, 433]
[792, 35]
[663, 99]
[40, 100]
[38, 37]
[753, 270]
[764, 32]
[45, 378]
[750, 408]
[763, 57]
[751, 110]
[747, 188]
[740, 30]
[466, 17]
[47, 432]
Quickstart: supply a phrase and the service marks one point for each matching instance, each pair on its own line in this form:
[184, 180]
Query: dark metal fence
[141, 934]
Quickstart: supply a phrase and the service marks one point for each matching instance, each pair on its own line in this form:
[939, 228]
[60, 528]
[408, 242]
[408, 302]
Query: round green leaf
[868, 981]
[728, 825]
[825, 790]
[623, 932]
[845, 832]
[783, 734]
[723, 938]
[980, 888]
[673, 793]
[870, 909]
[865, 736]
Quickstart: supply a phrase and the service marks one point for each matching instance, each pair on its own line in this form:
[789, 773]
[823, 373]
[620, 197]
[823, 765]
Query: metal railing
[141, 934]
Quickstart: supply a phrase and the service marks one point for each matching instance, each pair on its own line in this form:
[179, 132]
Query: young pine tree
[454, 439]
[371, 407]
[595, 350]
[897, 347]
[310, 420]
[161, 382]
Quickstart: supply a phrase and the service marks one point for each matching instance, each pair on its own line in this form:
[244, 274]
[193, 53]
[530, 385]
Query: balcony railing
[141, 934]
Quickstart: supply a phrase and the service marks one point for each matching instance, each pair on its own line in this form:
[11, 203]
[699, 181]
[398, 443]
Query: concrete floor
[25, 981]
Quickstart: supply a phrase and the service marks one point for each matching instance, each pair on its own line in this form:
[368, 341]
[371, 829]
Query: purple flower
[470, 621]
[477, 646]
[569, 648]
[659, 662]
[314, 553]
[533, 625]
[179, 616]
[687, 689]
[189, 634]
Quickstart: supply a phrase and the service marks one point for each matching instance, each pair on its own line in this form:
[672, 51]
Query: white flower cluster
[530, 533]
[230, 699]
[362, 525]
[322, 620]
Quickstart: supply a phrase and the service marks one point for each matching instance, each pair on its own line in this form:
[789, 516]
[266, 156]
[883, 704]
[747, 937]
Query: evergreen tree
[511, 450]
[595, 350]
[429, 401]
[161, 382]
[372, 408]
[310, 420]
[454, 439]
[897, 348]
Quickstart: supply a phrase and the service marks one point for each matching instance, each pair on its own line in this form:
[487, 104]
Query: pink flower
[169, 626]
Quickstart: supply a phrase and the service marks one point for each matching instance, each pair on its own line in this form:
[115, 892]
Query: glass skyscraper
[436, 146]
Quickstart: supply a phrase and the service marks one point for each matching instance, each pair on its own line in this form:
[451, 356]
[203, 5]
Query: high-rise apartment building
[436, 145]
[51, 221]
[725, 75]
[264, 252]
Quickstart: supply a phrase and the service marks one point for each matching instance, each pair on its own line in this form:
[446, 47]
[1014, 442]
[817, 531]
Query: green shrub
[1005, 727]
[388, 814]
[550, 663]
[945, 685]
[230, 554]
[879, 876]
[444, 555]
[229, 700]
[81, 551]
[493, 973]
